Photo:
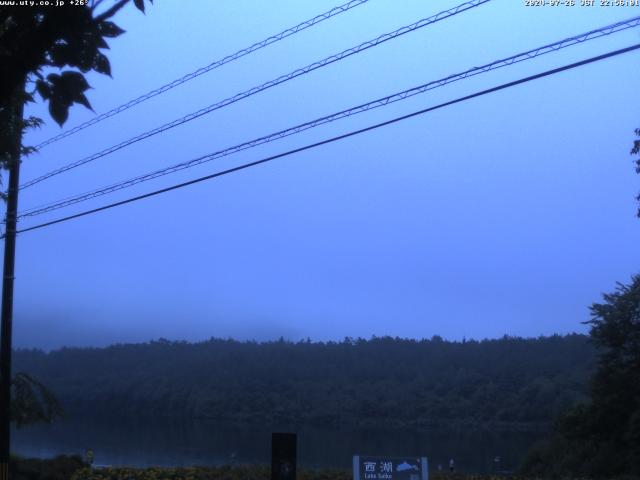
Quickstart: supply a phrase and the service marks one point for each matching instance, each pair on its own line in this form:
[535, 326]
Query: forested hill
[377, 382]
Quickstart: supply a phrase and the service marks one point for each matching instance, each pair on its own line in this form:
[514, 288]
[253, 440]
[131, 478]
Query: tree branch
[95, 4]
[112, 11]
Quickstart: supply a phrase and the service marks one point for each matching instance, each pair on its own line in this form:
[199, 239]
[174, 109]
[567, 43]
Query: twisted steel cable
[339, 137]
[272, 83]
[530, 54]
[212, 66]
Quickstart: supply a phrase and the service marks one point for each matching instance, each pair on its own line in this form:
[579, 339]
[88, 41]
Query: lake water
[183, 443]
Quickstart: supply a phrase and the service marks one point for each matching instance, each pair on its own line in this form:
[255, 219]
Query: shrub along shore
[74, 468]
[240, 473]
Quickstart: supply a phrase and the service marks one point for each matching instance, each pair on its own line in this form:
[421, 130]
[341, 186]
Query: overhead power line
[212, 66]
[272, 83]
[530, 54]
[339, 137]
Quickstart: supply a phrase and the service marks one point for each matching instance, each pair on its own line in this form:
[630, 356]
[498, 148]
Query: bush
[59, 468]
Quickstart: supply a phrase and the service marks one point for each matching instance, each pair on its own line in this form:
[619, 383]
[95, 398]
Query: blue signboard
[385, 468]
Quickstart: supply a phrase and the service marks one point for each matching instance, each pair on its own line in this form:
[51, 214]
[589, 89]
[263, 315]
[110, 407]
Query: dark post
[15, 120]
[283, 456]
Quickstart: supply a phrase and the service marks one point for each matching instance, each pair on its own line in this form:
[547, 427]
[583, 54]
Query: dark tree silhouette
[32, 402]
[62, 43]
[613, 418]
[636, 151]
[35, 40]
[601, 438]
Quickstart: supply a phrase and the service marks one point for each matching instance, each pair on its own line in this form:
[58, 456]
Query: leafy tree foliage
[32, 402]
[386, 382]
[601, 438]
[636, 151]
[63, 44]
[67, 42]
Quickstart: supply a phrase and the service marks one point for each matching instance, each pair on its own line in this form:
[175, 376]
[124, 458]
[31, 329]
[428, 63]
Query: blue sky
[506, 214]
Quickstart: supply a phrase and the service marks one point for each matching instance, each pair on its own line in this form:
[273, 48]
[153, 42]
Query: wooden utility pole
[14, 120]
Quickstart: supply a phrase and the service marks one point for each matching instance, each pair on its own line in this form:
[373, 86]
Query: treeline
[378, 382]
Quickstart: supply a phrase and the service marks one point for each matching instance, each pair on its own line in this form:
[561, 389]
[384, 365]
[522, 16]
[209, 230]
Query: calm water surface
[183, 443]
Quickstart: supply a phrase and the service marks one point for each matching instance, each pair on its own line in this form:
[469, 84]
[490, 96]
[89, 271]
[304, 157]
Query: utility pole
[15, 121]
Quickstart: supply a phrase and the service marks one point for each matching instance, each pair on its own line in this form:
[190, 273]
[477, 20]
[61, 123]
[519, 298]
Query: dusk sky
[506, 214]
